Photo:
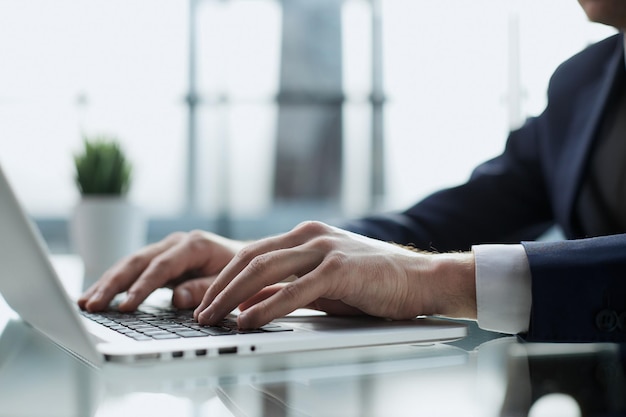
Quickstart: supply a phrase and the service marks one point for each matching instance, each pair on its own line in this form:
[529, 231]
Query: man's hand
[336, 271]
[341, 273]
[186, 262]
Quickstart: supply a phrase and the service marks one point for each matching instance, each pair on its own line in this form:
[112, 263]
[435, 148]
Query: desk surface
[475, 377]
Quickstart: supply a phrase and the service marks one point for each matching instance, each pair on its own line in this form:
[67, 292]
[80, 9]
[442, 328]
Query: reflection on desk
[590, 374]
[499, 377]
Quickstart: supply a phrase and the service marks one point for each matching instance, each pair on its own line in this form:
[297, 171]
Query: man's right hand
[186, 262]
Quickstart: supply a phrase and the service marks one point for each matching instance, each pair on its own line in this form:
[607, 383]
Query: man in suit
[565, 167]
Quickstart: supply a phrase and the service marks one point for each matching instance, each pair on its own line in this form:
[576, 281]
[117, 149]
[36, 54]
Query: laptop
[33, 367]
[31, 287]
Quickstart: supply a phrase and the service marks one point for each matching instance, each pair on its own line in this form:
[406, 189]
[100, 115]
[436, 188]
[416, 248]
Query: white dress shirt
[503, 288]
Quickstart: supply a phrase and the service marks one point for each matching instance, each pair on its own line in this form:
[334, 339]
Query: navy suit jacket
[578, 285]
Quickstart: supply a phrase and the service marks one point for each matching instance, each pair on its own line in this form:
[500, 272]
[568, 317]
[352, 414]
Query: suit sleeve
[519, 194]
[578, 290]
[504, 201]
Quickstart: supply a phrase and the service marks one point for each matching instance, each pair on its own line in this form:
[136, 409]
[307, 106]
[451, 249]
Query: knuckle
[196, 241]
[161, 264]
[258, 265]
[246, 253]
[175, 237]
[196, 234]
[134, 264]
[324, 244]
[334, 261]
[292, 291]
[136, 261]
[312, 227]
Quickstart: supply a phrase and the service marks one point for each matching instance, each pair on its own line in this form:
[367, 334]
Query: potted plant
[105, 225]
[102, 168]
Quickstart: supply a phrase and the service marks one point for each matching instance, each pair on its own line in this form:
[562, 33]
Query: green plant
[102, 167]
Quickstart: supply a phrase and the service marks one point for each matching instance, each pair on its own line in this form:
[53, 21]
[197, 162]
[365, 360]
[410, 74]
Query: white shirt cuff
[503, 288]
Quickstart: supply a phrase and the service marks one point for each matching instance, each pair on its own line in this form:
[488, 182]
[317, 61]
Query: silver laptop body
[31, 287]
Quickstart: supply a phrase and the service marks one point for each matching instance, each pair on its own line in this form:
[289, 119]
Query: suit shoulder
[587, 65]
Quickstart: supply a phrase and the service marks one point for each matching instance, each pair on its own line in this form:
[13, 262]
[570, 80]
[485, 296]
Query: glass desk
[484, 374]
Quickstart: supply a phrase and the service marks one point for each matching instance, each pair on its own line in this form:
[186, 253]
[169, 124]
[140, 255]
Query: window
[450, 78]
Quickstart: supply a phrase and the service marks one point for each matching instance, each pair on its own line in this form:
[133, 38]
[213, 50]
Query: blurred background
[245, 117]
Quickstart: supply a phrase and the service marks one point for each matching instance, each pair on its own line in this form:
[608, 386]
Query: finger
[301, 234]
[121, 276]
[183, 256]
[334, 307]
[260, 296]
[265, 269]
[297, 294]
[189, 294]
[241, 260]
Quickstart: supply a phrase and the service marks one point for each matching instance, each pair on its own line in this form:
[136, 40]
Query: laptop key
[139, 336]
[172, 327]
[154, 332]
[142, 327]
[165, 336]
[190, 333]
[129, 323]
[151, 323]
[216, 331]
[247, 331]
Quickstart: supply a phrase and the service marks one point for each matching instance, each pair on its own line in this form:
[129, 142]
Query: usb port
[227, 350]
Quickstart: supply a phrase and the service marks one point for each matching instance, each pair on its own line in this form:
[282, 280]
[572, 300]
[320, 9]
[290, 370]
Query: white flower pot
[103, 230]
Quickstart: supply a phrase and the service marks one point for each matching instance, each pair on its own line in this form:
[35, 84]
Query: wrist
[452, 282]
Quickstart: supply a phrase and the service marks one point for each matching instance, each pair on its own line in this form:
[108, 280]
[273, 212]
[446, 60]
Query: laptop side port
[201, 352]
[227, 350]
[177, 354]
[147, 356]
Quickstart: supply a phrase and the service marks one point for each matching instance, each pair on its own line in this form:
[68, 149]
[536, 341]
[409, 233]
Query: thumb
[334, 307]
[265, 293]
[189, 294]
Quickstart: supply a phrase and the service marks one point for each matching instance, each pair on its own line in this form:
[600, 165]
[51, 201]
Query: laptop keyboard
[153, 323]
